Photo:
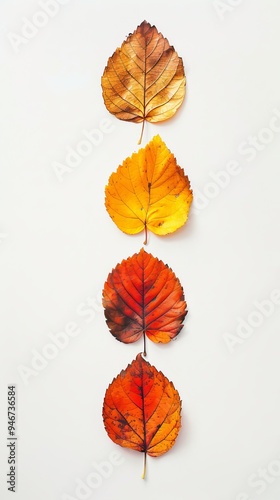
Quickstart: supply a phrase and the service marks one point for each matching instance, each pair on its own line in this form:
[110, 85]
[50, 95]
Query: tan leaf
[144, 79]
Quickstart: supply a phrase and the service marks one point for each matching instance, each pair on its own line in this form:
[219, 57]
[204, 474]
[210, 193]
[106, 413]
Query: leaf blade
[149, 190]
[143, 297]
[142, 409]
[142, 78]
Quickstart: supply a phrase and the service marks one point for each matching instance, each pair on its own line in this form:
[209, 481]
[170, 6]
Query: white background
[58, 244]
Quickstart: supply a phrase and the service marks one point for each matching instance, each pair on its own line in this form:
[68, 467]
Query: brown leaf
[144, 79]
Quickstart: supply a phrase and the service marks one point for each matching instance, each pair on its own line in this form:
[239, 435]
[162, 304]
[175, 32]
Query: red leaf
[142, 296]
[142, 409]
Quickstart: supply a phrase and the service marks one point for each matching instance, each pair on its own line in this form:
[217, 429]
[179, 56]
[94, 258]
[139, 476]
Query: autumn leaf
[142, 297]
[149, 191]
[141, 409]
[144, 79]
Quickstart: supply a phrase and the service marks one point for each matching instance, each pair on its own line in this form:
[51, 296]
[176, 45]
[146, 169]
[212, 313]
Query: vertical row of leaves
[144, 80]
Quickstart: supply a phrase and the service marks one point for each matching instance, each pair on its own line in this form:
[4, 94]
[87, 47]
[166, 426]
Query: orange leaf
[144, 79]
[142, 409]
[149, 191]
[142, 296]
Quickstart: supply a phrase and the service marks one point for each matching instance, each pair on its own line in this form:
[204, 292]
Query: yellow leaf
[144, 79]
[149, 191]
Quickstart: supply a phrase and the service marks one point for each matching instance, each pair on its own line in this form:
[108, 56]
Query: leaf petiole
[145, 350]
[145, 462]
[142, 130]
[146, 235]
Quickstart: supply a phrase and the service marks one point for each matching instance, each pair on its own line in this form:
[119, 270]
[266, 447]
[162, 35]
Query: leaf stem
[142, 130]
[146, 235]
[145, 351]
[145, 462]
